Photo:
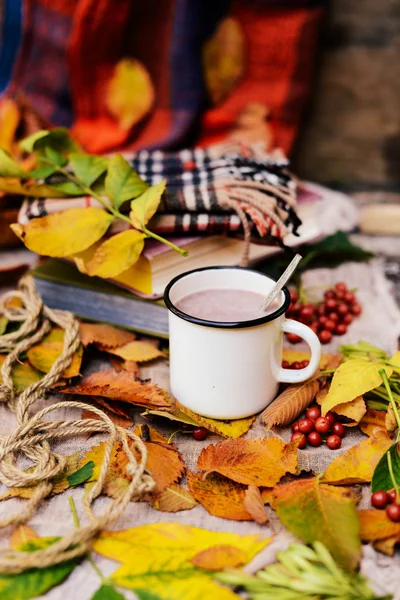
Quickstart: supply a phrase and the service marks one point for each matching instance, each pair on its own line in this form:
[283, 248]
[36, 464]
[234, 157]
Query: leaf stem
[392, 477]
[382, 373]
[164, 241]
[88, 554]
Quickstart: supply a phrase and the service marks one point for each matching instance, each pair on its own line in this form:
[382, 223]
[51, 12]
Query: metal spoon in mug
[281, 282]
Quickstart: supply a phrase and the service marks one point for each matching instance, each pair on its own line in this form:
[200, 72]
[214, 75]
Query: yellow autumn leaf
[21, 535]
[353, 378]
[357, 464]
[22, 374]
[43, 355]
[224, 59]
[65, 233]
[354, 410]
[146, 205]
[137, 351]
[130, 92]
[219, 557]
[116, 254]
[172, 499]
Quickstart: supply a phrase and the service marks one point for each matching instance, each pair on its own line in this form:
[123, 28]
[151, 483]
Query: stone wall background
[351, 134]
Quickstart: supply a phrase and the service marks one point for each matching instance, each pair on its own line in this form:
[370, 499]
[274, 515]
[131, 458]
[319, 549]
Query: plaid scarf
[220, 189]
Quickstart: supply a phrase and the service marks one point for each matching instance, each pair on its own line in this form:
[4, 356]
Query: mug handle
[289, 375]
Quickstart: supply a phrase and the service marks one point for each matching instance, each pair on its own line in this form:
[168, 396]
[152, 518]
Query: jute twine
[32, 436]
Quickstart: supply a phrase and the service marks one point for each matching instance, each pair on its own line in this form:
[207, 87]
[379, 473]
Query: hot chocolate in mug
[230, 369]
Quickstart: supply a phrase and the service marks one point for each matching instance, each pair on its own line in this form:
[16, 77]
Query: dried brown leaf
[290, 403]
[386, 546]
[259, 462]
[104, 335]
[254, 504]
[150, 434]
[121, 386]
[172, 499]
[219, 496]
[373, 419]
[390, 419]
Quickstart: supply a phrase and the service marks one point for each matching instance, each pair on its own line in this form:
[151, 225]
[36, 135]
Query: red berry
[321, 309]
[349, 298]
[325, 336]
[299, 436]
[339, 429]
[333, 317]
[293, 295]
[329, 294]
[334, 442]
[314, 327]
[306, 426]
[380, 499]
[306, 314]
[323, 320]
[295, 365]
[285, 364]
[313, 413]
[341, 286]
[392, 495]
[322, 425]
[295, 426]
[342, 309]
[331, 417]
[200, 433]
[330, 325]
[304, 364]
[314, 438]
[393, 512]
[347, 319]
[341, 329]
[356, 309]
[293, 339]
[331, 304]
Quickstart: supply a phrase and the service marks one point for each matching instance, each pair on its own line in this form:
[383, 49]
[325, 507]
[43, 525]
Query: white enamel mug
[230, 370]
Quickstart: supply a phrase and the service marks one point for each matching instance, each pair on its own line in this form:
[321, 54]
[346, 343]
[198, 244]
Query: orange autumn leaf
[387, 546]
[137, 351]
[254, 504]
[372, 420]
[357, 464]
[130, 93]
[10, 117]
[330, 361]
[22, 535]
[374, 525]
[259, 462]
[150, 434]
[218, 558]
[121, 386]
[219, 496]
[120, 420]
[105, 336]
[290, 403]
[172, 499]
[390, 419]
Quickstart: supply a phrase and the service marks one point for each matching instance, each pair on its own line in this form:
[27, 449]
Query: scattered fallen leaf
[116, 411]
[21, 535]
[316, 511]
[374, 525]
[104, 335]
[42, 356]
[22, 374]
[137, 351]
[354, 410]
[150, 434]
[357, 464]
[64, 233]
[173, 499]
[130, 92]
[121, 386]
[81, 475]
[219, 496]
[290, 403]
[386, 546]
[60, 482]
[218, 558]
[372, 420]
[254, 504]
[224, 59]
[259, 462]
[353, 378]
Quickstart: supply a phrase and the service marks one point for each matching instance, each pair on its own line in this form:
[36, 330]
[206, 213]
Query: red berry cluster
[328, 318]
[387, 500]
[295, 365]
[313, 427]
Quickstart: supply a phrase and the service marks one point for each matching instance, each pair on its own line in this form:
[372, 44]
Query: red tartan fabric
[71, 49]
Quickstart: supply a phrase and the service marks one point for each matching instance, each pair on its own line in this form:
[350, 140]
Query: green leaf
[82, 474]
[42, 172]
[58, 138]
[54, 157]
[86, 167]
[68, 188]
[144, 207]
[122, 182]
[9, 167]
[108, 592]
[3, 325]
[39, 544]
[332, 251]
[144, 595]
[35, 582]
[381, 479]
